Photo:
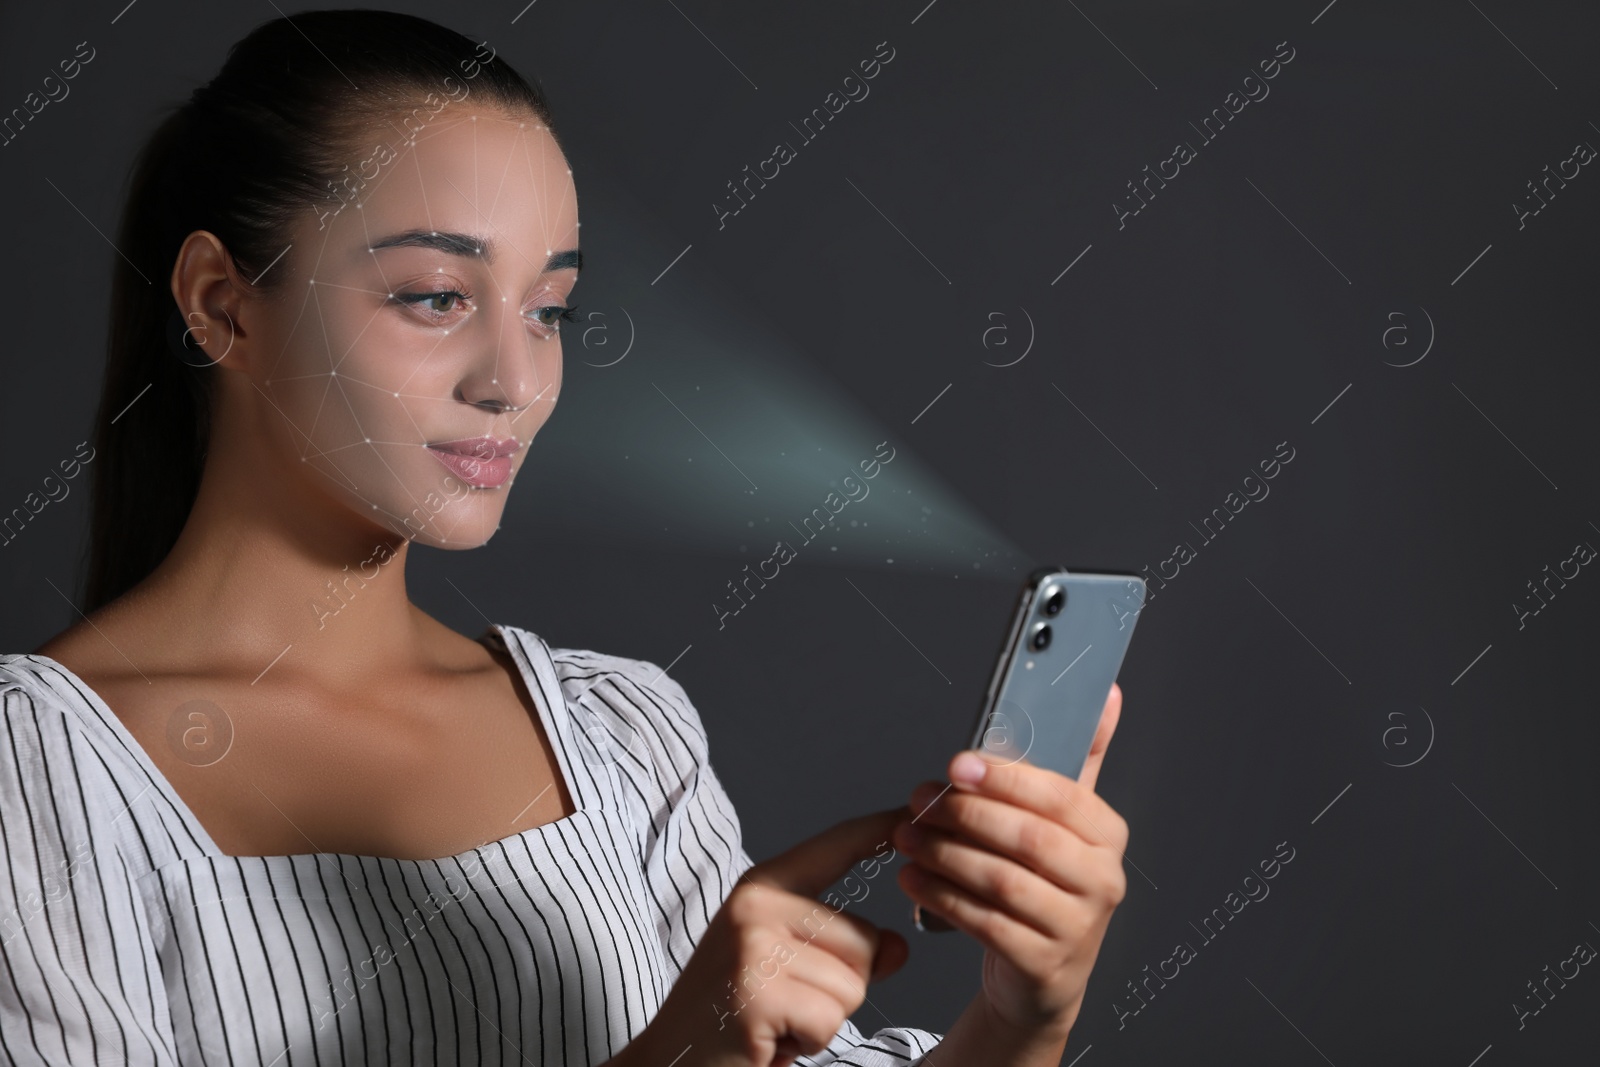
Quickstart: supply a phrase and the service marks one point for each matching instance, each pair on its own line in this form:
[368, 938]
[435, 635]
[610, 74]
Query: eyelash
[570, 314]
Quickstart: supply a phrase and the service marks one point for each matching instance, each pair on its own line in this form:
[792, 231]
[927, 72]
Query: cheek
[387, 396]
[393, 361]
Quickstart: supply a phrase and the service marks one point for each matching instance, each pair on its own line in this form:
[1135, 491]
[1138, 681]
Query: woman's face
[414, 350]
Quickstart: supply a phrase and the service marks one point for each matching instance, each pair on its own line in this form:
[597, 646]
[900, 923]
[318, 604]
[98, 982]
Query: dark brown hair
[248, 153]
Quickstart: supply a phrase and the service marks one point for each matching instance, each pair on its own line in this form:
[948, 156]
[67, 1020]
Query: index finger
[817, 862]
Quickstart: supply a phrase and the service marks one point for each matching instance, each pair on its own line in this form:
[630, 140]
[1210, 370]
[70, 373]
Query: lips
[484, 462]
[479, 447]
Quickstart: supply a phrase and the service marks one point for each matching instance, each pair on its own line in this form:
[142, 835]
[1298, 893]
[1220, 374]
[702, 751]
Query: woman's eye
[451, 300]
[441, 303]
[552, 314]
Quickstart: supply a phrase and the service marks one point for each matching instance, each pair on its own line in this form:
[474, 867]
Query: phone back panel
[1045, 705]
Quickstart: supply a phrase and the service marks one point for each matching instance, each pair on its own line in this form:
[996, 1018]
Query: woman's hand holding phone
[1028, 862]
[813, 963]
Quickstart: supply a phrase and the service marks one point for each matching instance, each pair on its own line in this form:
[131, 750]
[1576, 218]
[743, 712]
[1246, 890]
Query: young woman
[259, 808]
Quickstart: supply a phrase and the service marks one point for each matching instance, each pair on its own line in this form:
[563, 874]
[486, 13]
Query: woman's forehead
[482, 173]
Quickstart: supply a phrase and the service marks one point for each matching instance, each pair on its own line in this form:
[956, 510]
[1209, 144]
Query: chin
[459, 541]
[445, 513]
[461, 524]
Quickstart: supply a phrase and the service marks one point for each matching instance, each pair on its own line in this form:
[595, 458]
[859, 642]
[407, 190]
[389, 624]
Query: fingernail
[968, 768]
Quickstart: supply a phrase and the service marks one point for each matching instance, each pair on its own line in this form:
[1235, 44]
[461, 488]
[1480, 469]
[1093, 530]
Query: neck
[272, 572]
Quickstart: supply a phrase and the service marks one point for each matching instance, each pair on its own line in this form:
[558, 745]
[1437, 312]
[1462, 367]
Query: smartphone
[1068, 634]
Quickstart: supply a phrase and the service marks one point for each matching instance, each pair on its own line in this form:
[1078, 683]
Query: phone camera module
[1039, 638]
[1054, 598]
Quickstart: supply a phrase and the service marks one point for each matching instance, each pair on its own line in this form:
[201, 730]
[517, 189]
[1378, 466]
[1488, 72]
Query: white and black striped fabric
[128, 937]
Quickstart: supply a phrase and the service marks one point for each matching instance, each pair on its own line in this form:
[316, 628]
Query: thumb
[1109, 717]
[817, 862]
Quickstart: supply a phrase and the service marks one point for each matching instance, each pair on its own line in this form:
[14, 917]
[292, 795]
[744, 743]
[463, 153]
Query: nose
[511, 366]
[493, 395]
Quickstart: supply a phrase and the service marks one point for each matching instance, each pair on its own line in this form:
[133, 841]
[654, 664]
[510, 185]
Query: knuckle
[1064, 807]
[750, 902]
[814, 1021]
[868, 931]
[986, 921]
[858, 956]
[940, 851]
[1085, 797]
[1109, 884]
[1078, 926]
[1005, 881]
[1035, 838]
[750, 1044]
[855, 982]
[740, 904]
[988, 821]
[821, 1034]
[752, 943]
[809, 926]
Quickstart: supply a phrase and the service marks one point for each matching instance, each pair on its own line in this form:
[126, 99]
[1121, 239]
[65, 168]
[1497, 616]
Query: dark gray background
[1376, 581]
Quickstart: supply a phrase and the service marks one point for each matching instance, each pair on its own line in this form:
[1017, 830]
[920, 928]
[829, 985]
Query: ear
[208, 292]
[1109, 717]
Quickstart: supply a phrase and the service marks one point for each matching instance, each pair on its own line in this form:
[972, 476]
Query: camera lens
[1054, 599]
[1039, 640]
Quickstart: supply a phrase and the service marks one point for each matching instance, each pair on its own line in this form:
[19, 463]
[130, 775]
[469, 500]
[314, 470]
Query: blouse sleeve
[696, 856]
[79, 977]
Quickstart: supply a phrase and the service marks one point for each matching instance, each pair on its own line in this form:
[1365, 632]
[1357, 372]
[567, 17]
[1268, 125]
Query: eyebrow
[462, 244]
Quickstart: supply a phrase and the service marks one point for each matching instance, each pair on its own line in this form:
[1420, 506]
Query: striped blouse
[130, 938]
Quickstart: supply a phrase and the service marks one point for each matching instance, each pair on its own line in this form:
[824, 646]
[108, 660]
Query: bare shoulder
[99, 652]
[128, 627]
[120, 659]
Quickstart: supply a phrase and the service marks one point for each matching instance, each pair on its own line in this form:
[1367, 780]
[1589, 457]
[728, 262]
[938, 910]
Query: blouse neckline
[537, 672]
